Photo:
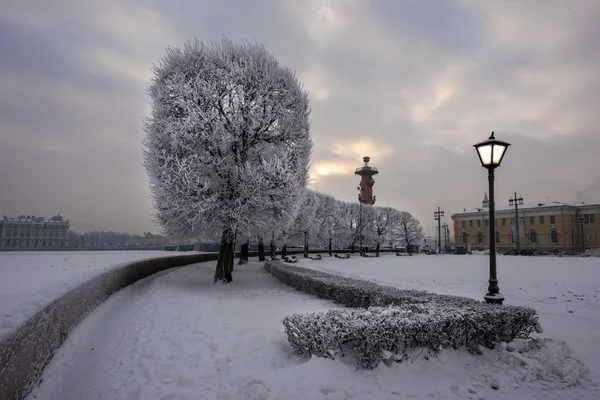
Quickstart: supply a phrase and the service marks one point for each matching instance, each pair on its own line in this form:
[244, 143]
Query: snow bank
[30, 280]
[27, 350]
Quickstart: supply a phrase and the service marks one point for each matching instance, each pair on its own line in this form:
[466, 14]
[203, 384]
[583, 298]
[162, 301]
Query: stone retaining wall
[25, 353]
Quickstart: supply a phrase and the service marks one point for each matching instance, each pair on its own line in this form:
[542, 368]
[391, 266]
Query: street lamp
[445, 226]
[491, 152]
[437, 215]
[517, 202]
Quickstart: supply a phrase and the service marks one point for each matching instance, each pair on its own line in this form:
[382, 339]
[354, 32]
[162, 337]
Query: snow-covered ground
[31, 280]
[175, 335]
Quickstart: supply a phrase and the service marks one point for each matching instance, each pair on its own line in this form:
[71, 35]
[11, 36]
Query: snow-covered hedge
[393, 333]
[354, 292]
[390, 323]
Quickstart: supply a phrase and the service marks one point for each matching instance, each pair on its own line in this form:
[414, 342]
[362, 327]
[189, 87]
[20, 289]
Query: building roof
[32, 218]
[527, 207]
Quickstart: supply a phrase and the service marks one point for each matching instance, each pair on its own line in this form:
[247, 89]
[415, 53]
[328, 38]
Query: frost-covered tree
[409, 229]
[384, 221]
[228, 137]
[349, 224]
[326, 215]
[366, 226]
[304, 224]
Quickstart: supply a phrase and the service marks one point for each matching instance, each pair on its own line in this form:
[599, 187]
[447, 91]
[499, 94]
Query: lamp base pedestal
[496, 298]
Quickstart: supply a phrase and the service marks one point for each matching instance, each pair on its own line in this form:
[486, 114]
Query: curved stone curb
[25, 352]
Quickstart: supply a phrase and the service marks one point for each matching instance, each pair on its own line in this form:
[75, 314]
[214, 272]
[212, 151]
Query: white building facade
[31, 232]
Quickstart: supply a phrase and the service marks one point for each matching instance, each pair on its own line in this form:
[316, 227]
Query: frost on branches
[227, 141]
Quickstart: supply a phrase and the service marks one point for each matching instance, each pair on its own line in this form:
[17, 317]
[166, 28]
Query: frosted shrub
[389, 323]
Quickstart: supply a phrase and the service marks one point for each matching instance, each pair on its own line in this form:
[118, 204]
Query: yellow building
[152, 240]
[549, 226]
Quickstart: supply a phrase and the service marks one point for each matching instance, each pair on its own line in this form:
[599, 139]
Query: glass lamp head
[491, 152]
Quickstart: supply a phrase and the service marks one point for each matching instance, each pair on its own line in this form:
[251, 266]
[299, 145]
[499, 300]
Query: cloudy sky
[412, 84]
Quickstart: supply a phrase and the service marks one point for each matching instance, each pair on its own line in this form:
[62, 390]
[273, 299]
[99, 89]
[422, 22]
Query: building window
[533, 237]
[542, 220]
[465, 238]
[503, 221]
[479, 223]
[480, 238]
[589, 219]
[552, 219]
[531, 220]
[573, 237]
[554, 237]
[464, 224]
[497, 237]
[470, 223]
[486, 223]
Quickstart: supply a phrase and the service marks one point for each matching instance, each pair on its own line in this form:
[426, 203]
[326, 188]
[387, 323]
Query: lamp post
[517, 202]
[445, 226]
[437, 215]
[491, 152]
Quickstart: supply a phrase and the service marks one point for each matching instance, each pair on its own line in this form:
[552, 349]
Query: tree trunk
[330, 246]
[377, 250]
[233, 249]
[284, 251]
[261, 249]
[305, 244]
[244, 253]
[352, 248]
[226, 255]
[272, 249]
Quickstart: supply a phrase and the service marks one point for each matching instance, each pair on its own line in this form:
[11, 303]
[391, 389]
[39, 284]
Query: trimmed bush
[390, 323]
[393, 333]
[354, 292]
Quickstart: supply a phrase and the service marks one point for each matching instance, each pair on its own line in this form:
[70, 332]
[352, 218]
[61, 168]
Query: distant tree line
[97, 240]
[325, 222]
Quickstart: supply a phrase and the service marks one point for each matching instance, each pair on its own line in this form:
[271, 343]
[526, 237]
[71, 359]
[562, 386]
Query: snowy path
[177, 336]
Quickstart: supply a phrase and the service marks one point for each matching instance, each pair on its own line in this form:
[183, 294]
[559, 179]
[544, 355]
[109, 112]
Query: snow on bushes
[389, 323]
[354, 292]
[393, 333]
